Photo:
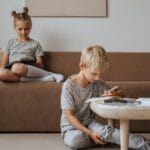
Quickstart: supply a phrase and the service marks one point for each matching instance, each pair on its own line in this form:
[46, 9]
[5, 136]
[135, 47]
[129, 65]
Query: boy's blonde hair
[95, 57]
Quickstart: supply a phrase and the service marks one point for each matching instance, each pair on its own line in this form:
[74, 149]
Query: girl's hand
[39, 62]
[96, 138]
[5, 60]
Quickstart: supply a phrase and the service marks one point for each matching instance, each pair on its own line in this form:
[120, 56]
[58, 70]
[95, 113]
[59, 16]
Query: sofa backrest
[124, 66]
[66, 63]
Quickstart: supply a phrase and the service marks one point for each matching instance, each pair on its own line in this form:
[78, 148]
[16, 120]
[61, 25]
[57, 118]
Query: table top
[130, 111]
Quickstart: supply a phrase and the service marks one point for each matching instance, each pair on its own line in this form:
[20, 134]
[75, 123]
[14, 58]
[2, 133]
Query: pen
[113, 89]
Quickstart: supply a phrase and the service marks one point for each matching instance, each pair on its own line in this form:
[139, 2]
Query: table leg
[124, 134]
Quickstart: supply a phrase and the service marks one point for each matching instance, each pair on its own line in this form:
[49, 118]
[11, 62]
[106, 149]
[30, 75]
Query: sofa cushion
[30, 106]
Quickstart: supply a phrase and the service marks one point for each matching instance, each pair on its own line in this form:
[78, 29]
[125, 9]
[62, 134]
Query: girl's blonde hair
[95, 57]
[23, 16]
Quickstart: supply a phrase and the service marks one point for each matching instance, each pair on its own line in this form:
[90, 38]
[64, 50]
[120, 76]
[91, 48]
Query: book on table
[117, 99]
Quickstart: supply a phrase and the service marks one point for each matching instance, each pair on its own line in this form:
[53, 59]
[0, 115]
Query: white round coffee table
[123, 112]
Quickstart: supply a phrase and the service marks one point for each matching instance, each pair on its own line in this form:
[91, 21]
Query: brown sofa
[35, 106]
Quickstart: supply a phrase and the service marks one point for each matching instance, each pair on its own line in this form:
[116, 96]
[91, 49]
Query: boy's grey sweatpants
[75, 139]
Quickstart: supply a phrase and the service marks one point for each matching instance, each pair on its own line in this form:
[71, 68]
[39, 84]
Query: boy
[78, 127]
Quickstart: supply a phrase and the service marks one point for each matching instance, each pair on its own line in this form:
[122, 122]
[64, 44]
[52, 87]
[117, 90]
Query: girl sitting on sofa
[22, 56]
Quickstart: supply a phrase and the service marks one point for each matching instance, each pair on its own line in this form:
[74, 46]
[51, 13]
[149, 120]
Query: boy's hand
[112, 92]
[97, 138]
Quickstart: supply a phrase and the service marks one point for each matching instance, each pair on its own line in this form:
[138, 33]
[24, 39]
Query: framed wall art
[67, 8]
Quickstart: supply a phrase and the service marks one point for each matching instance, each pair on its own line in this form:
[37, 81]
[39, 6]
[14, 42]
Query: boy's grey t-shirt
[19, 51]
[74, 97]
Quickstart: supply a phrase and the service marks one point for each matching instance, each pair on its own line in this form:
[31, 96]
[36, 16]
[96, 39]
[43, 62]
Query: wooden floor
[39, 141]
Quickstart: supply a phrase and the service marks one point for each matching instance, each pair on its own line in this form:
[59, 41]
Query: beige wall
[127, 27]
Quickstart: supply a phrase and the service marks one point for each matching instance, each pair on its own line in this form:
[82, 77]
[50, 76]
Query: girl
[22, 57]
